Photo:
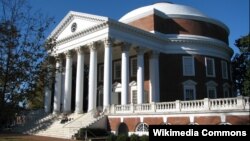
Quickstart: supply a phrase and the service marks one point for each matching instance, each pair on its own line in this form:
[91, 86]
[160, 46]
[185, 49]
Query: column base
[67, 112]
[56, 112]
[78, 112]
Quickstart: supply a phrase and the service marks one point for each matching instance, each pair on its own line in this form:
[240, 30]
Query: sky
[233, 13]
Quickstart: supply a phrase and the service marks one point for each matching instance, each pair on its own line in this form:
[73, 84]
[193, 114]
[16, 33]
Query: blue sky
[233, 13]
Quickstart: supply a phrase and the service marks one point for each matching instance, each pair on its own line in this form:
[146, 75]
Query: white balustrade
[192, 105]
[143, 108]
[165, 106]
[247, 102]
[206, 104]
[223, 103]
[122, 108]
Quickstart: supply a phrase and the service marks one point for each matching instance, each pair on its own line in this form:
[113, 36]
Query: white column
[79, 81]
[125, 74]
[68, 83]
[107, 80]
[58, 86]
[48, 88]
[140, 75]
[154, 77]
[47, 98]
[92, 77]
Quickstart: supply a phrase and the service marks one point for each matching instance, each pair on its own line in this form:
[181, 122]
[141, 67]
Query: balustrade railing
[192, 105]
[240, 103]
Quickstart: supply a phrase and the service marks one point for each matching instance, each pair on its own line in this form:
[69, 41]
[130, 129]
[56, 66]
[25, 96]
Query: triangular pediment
[78, 21]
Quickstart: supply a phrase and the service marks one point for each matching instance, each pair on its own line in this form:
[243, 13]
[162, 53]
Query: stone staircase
[51, 126]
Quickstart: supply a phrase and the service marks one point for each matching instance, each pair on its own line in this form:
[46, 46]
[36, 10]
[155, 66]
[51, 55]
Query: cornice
[70, 16]
[178, 38]
[83, 33]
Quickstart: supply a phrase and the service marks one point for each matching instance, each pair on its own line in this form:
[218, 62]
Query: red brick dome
[168, 18]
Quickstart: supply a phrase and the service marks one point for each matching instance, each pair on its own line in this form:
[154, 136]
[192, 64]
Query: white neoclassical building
[157, 53]
[159, 64]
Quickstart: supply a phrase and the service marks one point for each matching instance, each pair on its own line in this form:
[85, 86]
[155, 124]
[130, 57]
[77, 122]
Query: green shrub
[122, 137]
[144, 138]
[91, 132]
[134, 137]
[111, 137]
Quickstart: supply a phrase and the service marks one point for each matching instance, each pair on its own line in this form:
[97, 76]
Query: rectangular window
[224, 69]
[188, 66]
[117, 70]
[210, 70]
[189, 93]
[134, 97]
[211, 92]
[226, 92]
[101, 71]
[133, 66]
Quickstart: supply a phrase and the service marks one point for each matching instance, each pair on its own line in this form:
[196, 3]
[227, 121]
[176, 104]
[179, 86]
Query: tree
[22, 54]
[241, 66]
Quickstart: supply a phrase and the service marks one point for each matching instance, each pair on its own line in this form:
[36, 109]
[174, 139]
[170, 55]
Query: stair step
[49, 125]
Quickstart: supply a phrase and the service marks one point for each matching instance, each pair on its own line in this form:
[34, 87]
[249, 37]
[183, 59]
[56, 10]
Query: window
[142, 127]
[224, 69]
[188, 66]
[189, 90]
[210, 70]
[133, 67]
[226, 92]
[211, 92]
[211, 89]
[117, 70]
[226, 88]
[134, 97]
[101, 71]
[189, 93]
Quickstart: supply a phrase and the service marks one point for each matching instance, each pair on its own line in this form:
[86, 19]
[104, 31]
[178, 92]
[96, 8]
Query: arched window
[123, 129]
[142, 127]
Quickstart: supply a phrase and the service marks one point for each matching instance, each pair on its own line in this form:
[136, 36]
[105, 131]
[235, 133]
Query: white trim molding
[211, 87]
[189, 90]
[188, 66]
[210, 67]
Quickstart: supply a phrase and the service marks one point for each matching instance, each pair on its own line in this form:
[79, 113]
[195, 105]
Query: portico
[103, 43]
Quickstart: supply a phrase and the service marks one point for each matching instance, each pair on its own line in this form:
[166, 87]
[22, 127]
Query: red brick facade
[238, 120]
[207, 120]
[171, 77]
[181, 26]
[132, 122]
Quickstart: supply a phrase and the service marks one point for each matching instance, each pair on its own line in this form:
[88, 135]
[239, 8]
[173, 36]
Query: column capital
[140, 51]
[93, 46]
[80, 50]
[68, 54]
[108, 41]
[154, 54]
[125, 46]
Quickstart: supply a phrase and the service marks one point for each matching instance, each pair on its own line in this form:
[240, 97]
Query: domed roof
[166, 8]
